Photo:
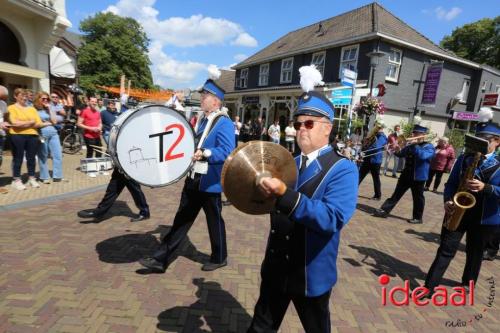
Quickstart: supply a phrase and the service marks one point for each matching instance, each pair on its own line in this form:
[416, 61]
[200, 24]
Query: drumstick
[100, 149]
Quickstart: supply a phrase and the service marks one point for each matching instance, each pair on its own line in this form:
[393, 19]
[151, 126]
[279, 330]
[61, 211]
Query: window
[243, 78]
[286, 70]
[318, 59]
[349, 58]
[264, 75]
[392, 72]
[465, 92]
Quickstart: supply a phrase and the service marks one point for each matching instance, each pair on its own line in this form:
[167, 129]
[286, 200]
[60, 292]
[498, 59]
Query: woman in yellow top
[25, 122]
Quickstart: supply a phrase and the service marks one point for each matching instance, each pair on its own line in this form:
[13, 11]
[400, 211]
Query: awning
[60, 64]
[21, 70]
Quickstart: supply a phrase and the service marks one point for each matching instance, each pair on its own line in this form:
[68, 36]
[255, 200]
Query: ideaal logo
[440, 297]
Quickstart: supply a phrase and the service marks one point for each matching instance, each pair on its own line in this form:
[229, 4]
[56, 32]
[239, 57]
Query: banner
[432, 83]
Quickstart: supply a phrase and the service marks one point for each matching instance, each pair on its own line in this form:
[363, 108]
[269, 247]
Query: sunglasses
[308, 124]
[44, 98]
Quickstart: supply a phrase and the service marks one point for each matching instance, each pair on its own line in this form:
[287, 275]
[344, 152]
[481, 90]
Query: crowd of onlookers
[32, 125]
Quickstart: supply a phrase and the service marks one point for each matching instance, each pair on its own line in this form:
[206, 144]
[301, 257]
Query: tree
[478, 41]
[113, 46]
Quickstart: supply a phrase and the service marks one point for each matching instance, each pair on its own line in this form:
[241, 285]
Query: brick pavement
[61, 275]
[75, 181]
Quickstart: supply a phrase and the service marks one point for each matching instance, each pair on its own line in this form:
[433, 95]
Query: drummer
[300, 260]
[202, 189]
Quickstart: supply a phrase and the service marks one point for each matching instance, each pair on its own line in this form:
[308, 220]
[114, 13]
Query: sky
[189, 36]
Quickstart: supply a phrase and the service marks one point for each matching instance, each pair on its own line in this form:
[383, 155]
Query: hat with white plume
[313, 103]
[485, 125]
[213, 72]
[210, 86]
[417, 120]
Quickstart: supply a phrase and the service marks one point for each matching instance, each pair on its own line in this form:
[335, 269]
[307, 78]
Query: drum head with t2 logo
[153, 145]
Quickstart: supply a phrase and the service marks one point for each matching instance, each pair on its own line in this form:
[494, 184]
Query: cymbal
[246, 165]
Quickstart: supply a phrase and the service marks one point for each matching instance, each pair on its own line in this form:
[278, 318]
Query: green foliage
[478, 41]
[457, 138]
[355, 123]
[406, 128]
[113, 46]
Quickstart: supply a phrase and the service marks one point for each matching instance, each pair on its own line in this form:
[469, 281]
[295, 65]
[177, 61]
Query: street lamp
[375, 57]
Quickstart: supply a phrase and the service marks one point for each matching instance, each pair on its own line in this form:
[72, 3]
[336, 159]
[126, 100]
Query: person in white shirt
[290, 134]
[175, 102]
[237, 128]
[274, 132]
[4, 125]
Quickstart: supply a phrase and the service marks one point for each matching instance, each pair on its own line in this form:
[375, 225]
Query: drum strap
[212, 121]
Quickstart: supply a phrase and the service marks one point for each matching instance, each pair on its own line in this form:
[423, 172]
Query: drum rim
[115, 154]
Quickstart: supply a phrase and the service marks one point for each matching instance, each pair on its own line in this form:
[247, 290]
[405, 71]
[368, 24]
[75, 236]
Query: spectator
[442, 162]
[100, 105]
[175, 102]
[290, 134]
[392, 142]
[57, 107]
[357, 140]
[50, 142]
[258, 129]
[274, 132]
[237, 128]
[245, 133]
[4, 125]
[25, 122]
[29, 97]
[108, 117]
[193, 120]
[90, 121]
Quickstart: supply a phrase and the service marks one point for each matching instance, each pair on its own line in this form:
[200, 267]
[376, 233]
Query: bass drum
[153, 145]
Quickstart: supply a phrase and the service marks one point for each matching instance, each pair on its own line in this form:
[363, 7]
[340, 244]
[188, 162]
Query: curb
[41, 201]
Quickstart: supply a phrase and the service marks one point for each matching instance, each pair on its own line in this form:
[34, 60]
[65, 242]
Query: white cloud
[447, 15]
[245, 39]
[240, 57]
[184, 32]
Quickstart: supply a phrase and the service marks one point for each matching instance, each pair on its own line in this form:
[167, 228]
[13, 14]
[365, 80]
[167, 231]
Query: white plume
[485, 114]
[310, 77]
[417, 120]
[213, 72]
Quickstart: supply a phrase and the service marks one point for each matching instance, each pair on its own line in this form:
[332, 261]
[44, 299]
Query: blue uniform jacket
[489, 173]
[220, 141]
[421, 156]
[303, 244]
[377, 147]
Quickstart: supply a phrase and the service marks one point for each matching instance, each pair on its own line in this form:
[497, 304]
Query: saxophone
[463, 200]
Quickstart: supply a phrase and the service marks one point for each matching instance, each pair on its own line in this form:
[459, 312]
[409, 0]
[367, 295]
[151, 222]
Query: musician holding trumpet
[300, 260]
[418, 154]
[479, 175]
[373, 149]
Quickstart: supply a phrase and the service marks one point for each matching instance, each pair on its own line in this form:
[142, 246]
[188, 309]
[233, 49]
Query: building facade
[29, 29]
[267, 83]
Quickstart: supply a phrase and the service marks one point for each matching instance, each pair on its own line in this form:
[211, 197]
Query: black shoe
[226, 203]
[139, 218]
[375, 198]
[89, 214]
[394, 176]
[415, 221]
[153, 264]
[212, 266]
[488, 256]
[380, 213]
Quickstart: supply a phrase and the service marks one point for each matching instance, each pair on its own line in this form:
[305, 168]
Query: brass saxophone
[463, 200]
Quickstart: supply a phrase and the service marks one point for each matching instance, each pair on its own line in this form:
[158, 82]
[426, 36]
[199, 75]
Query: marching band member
[372, 163]
[417, 156]
[300, 260]
[482, 221]
[215, 137]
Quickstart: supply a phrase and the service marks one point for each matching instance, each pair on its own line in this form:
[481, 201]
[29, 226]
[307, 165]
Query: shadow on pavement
[216, 310]
[371, 210]
[392, 266]
[132, 247]
[430, 237]
[119, 208]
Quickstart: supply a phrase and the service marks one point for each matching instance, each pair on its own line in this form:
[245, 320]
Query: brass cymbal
[246, 165]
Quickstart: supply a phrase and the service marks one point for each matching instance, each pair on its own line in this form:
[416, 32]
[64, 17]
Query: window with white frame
[349, 58]
[318, 59]
[264, 75]
[394, 65]
[243, 78]
[465, 91]
[286, 70]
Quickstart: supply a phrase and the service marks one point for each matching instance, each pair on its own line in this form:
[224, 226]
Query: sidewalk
[76, 182]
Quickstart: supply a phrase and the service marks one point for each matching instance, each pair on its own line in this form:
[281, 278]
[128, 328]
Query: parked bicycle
[72, 140]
